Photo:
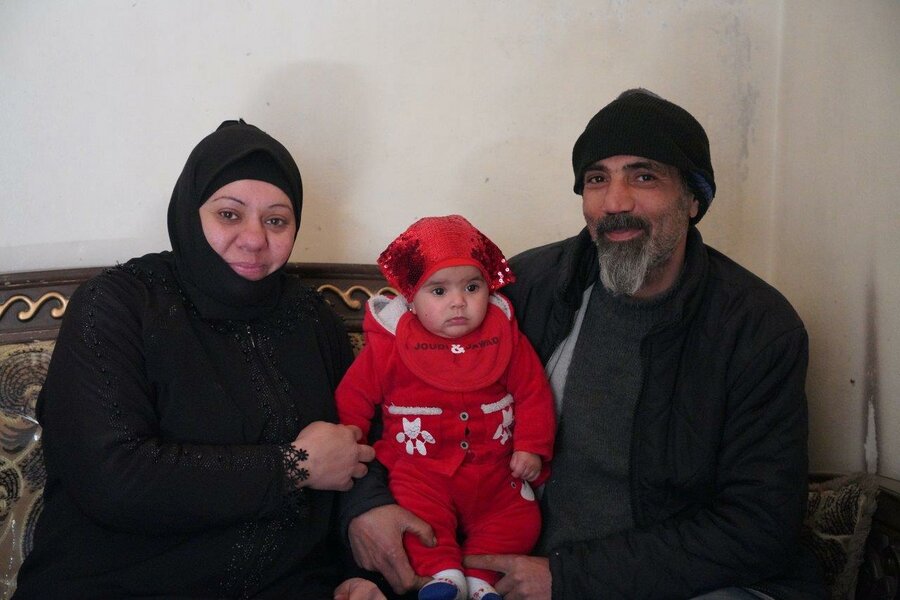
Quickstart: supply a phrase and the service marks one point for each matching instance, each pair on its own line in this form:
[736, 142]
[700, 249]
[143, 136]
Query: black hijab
[214, 288]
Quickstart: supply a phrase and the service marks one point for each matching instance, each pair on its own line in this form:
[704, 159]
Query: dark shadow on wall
[517, 190]
[319, 111]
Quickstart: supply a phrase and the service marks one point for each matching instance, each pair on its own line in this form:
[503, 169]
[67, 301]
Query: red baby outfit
[454, 410]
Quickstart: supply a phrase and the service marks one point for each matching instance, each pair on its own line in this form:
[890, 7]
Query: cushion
[838, 520]
[23, 368]
[357, 341]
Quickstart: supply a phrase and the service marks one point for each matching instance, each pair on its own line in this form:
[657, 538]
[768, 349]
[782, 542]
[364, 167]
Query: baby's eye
[472, 287]
[438, 291]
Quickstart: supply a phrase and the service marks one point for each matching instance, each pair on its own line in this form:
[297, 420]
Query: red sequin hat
[433, 243]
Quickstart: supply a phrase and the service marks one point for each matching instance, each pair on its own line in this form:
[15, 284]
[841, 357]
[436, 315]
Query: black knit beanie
[640, 123]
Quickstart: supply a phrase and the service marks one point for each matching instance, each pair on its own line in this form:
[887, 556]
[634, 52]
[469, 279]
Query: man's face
[637, 211]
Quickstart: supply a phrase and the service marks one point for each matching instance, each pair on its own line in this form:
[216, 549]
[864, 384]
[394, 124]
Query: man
[681, 462]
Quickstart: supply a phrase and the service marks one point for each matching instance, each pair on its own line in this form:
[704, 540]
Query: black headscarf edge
[216, 290]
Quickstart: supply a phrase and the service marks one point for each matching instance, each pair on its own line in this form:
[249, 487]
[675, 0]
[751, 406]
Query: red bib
[461, 364]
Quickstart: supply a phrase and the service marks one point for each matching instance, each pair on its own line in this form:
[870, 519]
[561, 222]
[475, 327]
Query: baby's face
[452, 302]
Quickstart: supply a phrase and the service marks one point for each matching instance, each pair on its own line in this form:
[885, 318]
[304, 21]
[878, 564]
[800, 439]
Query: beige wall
[835, 247]
[396, 110]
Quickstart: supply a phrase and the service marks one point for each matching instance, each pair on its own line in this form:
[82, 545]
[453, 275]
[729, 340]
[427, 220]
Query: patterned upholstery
[23, 368]
[356, 340]
[838, 521]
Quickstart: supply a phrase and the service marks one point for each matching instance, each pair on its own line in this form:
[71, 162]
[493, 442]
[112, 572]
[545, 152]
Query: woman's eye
[228, 215]
[278, 221]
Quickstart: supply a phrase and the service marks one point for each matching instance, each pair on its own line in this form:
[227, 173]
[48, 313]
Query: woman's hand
[358, 589]
[334, 456]
[525, 465]
[376, 538]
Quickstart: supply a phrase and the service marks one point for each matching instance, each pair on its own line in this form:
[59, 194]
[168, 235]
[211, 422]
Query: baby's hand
[525, 465]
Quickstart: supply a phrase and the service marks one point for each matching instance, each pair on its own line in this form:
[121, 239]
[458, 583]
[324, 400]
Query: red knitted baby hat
[433, 243]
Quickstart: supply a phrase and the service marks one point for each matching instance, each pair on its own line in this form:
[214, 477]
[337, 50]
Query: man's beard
[624, 266]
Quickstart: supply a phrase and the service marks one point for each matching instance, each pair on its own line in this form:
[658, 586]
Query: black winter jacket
[719, 446]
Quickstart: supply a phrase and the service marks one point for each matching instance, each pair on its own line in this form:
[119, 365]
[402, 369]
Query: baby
[468, 414]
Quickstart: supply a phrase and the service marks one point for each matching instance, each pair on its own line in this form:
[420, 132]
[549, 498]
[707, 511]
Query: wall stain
[870, 382]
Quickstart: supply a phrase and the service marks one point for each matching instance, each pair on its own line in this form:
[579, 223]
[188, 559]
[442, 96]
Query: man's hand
[524, 577]
[358, 589]
[376, 538]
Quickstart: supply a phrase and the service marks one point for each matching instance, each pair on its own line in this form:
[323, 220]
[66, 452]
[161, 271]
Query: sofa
[853, 520]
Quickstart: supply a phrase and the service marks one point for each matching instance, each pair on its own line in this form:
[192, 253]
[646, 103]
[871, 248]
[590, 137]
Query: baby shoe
[479, 589]
[449, 584]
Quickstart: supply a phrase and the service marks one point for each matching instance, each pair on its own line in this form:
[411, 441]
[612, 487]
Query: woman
[189, 422]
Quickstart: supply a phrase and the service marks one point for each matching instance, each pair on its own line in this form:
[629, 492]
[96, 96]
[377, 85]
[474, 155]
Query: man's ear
[695, 206]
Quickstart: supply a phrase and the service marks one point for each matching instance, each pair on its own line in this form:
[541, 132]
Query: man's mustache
[621, 221]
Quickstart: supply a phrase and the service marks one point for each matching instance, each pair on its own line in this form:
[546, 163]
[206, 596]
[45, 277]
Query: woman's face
[251, 225]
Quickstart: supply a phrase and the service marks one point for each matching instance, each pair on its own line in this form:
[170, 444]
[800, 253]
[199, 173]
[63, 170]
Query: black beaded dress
[171, 397]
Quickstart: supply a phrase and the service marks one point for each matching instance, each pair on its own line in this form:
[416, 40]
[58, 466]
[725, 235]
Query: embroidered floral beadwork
[294, 473]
